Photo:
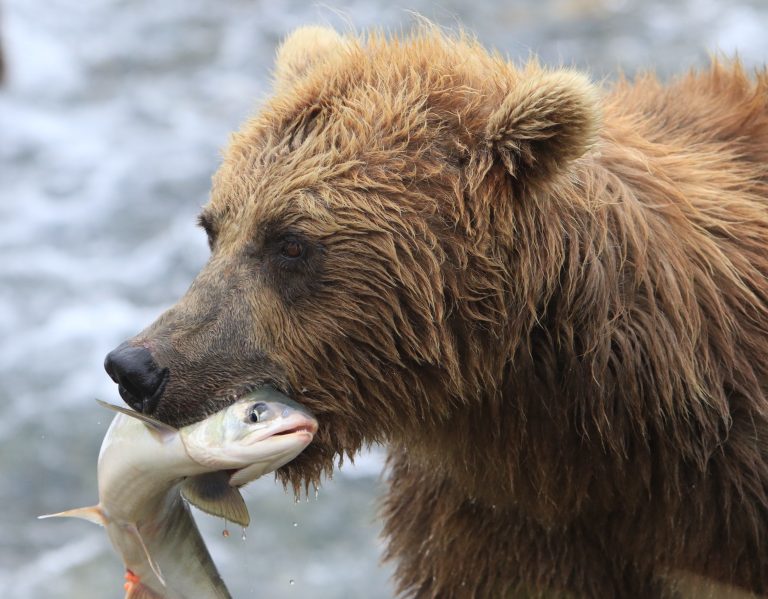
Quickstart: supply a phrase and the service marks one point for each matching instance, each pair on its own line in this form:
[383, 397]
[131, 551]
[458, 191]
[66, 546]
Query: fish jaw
[283, 449]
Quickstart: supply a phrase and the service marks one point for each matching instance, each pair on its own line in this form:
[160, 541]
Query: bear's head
[376, 233]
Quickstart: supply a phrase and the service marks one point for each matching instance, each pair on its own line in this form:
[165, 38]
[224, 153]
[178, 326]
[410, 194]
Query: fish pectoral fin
[161, 429]
[134, 531]
[93, 514]
[212, 493]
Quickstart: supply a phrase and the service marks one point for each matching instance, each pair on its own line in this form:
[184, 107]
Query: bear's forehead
[387, 113]
[376, 92]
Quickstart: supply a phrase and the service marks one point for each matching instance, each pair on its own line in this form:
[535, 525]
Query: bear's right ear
[543, 123]
[303, 49]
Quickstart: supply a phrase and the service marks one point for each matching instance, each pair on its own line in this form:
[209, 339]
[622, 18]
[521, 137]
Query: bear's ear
[547, 120]
[303, 49]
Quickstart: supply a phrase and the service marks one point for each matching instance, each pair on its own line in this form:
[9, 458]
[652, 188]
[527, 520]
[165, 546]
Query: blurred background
[112, 117]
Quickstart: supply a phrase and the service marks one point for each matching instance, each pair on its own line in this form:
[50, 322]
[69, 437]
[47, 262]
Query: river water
[111, 123]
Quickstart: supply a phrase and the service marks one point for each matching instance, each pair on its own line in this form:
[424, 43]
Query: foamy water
[110, 128]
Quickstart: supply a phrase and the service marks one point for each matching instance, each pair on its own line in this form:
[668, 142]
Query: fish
[148, 472]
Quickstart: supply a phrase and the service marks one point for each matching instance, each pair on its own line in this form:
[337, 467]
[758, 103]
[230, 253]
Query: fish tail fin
[93, 514]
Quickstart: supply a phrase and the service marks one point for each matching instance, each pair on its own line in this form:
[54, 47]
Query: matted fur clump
[550, 301]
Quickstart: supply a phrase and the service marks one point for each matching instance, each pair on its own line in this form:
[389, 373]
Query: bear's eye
[292, 248]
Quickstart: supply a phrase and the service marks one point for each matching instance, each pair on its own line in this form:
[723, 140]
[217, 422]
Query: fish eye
[258, 412]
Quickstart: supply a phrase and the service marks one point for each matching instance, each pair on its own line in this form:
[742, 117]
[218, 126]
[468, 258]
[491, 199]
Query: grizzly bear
[548, 299]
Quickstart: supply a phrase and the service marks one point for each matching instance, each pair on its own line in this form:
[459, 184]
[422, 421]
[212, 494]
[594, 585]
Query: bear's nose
[139, 379]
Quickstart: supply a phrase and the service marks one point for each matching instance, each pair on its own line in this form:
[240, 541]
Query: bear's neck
[591, 384]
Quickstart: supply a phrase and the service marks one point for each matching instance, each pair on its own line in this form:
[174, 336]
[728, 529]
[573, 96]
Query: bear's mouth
[228, 395]
[233, 394]
[145, 404]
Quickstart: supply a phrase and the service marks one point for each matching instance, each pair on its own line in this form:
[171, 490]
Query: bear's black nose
[139, 379]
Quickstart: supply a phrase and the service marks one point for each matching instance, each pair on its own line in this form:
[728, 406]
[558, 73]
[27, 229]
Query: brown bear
[548, 299]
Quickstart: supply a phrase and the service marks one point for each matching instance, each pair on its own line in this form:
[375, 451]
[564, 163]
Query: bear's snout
[139, 379]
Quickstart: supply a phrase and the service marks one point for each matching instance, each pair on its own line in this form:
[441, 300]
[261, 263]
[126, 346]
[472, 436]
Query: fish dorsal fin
[211, 493]
[93, 514]
[160, 428]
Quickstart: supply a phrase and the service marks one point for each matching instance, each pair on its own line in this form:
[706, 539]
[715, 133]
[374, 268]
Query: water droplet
[243, 536]
[225, 533]
[295, 524]
[291, 582]
[316, 492]
[296, 499]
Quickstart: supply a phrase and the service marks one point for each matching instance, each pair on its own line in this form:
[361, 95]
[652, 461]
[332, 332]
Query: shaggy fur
[549, 301]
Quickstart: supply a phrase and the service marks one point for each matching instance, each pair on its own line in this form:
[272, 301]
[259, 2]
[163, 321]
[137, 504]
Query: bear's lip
[231, 394]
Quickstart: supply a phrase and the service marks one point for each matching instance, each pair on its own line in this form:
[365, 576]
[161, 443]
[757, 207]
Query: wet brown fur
[548, 299]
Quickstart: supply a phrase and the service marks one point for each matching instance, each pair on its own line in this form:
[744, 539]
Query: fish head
[259, 432]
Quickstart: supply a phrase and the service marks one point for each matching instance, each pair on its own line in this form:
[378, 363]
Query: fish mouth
[292, 436]
[299, 429]
[296, 423]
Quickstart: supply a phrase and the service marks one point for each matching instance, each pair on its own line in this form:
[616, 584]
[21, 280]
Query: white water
[110, 127]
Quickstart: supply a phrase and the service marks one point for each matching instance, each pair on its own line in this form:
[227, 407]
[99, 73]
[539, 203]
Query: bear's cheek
[246, 320]
[214, 344]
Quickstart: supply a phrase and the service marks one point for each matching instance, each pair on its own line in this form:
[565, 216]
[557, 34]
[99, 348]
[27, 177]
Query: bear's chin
[304, 473]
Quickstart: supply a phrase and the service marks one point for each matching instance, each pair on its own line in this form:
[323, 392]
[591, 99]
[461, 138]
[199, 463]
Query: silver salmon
[146, 469]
